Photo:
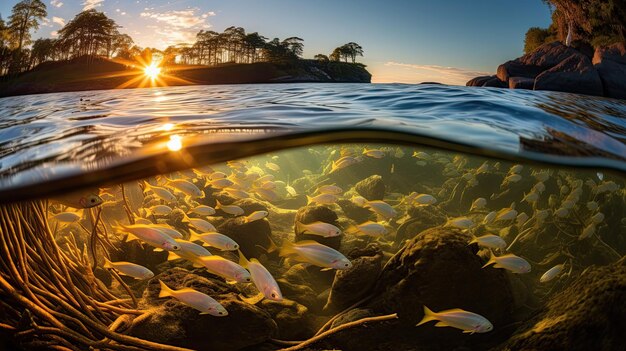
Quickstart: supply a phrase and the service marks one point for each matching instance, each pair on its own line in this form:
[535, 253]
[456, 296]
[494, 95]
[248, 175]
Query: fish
[291, 191]
[221, 183]
[189, 251]
[490, 217]
[484, 168]
[421, 155]
[510, 262]
[203, 210]
[255, 216]
[425, 199]
[326, 230]
[540, 215]
[588, 231]
[478, 204]
[130, 269]
[80, 199]
[272, 166]
[468, 322]
[552, 273]
[67, 217]
[230, 209]
[217, 175]
[322, 199]
[141, 220]
[459, 222]
[229, 270]
[160, 192]
[506, 214]
[359, 200]
[312, 252]
[160, 210]
[381, 208]
[215, 239]
[267, 194]
[592, 205]
[374, 153]
[398, 153]
[368, 228]
[561, 212]
[329, 189]
[539, 187]
[521, 219]
[195, 299]
[515, 169]
[597, 218]
[490, 241]
[165, 229]
[344, 162]
[199, 224]
[186, 187]
[512, 178]
[531, 197]
[151, 235]
[262, 278]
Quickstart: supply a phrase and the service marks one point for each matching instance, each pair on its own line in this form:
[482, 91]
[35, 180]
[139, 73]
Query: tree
[321, 58]
[347, 51]
[90, 33]
[335, 55]
[25, 16]
[535, 37]
[294, 45]
[43, 50]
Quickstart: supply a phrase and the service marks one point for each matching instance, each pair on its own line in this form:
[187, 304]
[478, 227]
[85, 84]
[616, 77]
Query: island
[90, 53]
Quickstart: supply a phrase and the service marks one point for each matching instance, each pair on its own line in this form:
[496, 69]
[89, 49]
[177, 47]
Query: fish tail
[309, 200]
[165, 290]
[287, 249]
[185, 218]
[218, 205]
[298, 227]
[107, 263]
[352, 230]
[428, 316]
[243, 261]
[492, 259]
[146, 185]
[193, 236]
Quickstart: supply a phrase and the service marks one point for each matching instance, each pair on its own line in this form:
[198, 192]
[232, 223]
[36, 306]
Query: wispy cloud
[58, 20]
[177, 26]
[54, 34]
[91, 4]
[415, 73]
[56, 3]
[45, 22]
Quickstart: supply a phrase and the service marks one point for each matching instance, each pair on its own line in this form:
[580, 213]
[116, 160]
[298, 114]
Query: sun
[152, 71]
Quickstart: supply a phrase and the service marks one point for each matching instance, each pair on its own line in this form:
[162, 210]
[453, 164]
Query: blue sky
[406, 41]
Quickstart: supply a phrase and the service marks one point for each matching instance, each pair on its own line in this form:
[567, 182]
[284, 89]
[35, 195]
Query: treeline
[596, 22]
[92, 33]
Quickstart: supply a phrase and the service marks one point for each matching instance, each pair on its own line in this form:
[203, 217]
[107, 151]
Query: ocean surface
[51, 137]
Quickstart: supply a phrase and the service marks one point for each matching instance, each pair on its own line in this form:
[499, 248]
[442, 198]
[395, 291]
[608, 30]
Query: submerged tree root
[299, 345]
[50, 297]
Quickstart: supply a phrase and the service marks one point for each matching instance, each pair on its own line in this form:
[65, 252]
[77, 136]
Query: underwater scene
[338, 246]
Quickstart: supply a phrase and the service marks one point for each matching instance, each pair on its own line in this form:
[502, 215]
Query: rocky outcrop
[556, 67]
[170, 322]
[588, 315]
[575, 74]
[611, 65]
[371, 188]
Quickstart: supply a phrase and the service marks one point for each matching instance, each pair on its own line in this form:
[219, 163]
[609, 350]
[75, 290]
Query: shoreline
[102, 74]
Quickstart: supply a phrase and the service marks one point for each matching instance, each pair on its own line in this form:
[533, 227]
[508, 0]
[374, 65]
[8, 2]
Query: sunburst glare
[152, 71]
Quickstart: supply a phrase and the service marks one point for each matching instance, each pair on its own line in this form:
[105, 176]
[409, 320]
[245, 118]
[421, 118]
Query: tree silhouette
[25, 16]
[89, 33]
[347, 51]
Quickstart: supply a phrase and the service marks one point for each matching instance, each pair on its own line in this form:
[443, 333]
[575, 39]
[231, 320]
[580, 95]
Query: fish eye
[346, 265]
[175, 247]
[273, 295]
[220, 313]
[93, 200]
[247, 279]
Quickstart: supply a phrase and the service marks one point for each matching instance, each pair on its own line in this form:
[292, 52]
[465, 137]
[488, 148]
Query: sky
[404, 41]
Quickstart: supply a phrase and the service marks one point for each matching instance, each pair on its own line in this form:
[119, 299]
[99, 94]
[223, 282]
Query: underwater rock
[587, 315]
[310, 214]
[371, 188]
[137, 252]
[293, 320]
[356, 213]
[421, 218]
[254, 237]
[521, 83]
[171, 322]
[301, 293]
[351, 285]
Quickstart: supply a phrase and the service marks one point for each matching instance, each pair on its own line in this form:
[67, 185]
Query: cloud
[177, 26]
[91, 4]
[54, 34]
[45, 22]
[56, 3]
[58, 20]
[414, 73]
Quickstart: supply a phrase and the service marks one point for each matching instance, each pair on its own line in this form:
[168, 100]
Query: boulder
[521, 83]
[611, 65]
[356, 213]
[575, 74]
[548, 55]
[351, 285]
[421, 218]
[494, 82]
[293, 320]
[170, 322]
[479, 81]
[253, 238]
[515, 68]
[371, 188]
[587, 315]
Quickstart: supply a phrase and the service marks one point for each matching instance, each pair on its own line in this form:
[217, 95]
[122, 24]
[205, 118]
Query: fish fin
[287, 249]
[231, 282]
[172, 256]
[492, 260]
[441, 324]
[185, 218]
[428, 316]
[252, 300]
[243, 261]
[165, 290]
[107, 263]
[273, 247]
[469, 331]
[157, 249]
[354, 230]
[309, 200]
[326, 269]
[193, 236]
[197, 265]
[218, 205]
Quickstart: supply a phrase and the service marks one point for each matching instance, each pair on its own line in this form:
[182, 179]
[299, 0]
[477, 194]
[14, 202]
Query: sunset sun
[152, 71]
